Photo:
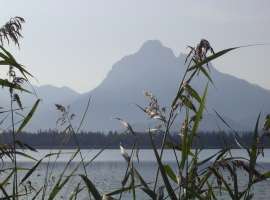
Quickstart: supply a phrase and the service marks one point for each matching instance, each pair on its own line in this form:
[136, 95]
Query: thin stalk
[15, 181]
[186, 141]
[47, 169]
[77, 143]
[161, 152]
[168, 125]
[128, 166]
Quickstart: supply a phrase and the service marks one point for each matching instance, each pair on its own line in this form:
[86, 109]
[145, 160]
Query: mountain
[48, 94]
[155, 68]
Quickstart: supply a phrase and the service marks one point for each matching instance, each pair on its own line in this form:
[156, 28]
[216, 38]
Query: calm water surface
[108, 169]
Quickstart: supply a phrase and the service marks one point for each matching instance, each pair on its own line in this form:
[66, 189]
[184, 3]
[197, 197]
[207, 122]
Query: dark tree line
[87, 139]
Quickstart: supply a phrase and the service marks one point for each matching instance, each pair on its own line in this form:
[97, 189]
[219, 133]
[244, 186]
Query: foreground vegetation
[193, 180]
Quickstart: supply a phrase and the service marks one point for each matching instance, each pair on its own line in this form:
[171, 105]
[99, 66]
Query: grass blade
[132, 182]
[59, 186]
[34, 197]
[212, 57]
[197, 120]
[163, 173]
[28, 117]
[204, 72]
[31, 171]
[105, 147]
[4, 191]
[91, 187]
[179, 148]
[6, 83]
[253, 155]
[170, 172]
[150, 193]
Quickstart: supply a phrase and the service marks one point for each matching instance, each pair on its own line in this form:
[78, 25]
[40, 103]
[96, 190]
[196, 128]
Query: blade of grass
[28, 117]
[4, 191]
[163, 173]
[200, 67]
[59, 186]
[184, 143]
[197, 120]
[210, 191]
[212, 57]
[194, 193]
[36, 195]
[253, 155]
[6, 83]
[150, 193]
[30, 171]
[91, 187]
[122, 190]
[105, 147]
[179, 148]
[170, 173]
[132, 182]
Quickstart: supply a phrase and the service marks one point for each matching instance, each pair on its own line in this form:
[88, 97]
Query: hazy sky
[75, 43]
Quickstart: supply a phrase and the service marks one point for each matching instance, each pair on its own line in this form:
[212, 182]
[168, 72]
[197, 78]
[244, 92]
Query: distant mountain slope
[154, 68]
[49, 95]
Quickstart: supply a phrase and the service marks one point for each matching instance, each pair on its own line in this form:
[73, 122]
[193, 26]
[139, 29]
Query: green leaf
[170, 172]
[8, 177]
[210, 191]
[59, 186]
[12, 61]
[31, 171]
[194, 193]
[4, 191]
[28, 117]
[91, 187]
[36, 195]
[253, 155]
[212, 57]
[179, 148]
[181, 89]
[6, 83]
[106, 147]
[84, 114]
[184, 143]
[132, 182]
[204, 72]
[4, 119]
[188, 103]
[195, 95]
[8, 54]
[6, 58]
[76, 191]
[3, 62]
[150, 193]
[197, 120]
[25, 155]
[163, 173]
[265, 176]
[121, 190]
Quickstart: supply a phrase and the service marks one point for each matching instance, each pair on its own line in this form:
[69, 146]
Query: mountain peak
[151, 44]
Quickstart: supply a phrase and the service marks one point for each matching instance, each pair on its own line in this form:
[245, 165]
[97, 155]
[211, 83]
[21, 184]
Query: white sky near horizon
[75, 43]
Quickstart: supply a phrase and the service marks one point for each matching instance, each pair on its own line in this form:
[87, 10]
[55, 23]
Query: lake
[108, 170]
